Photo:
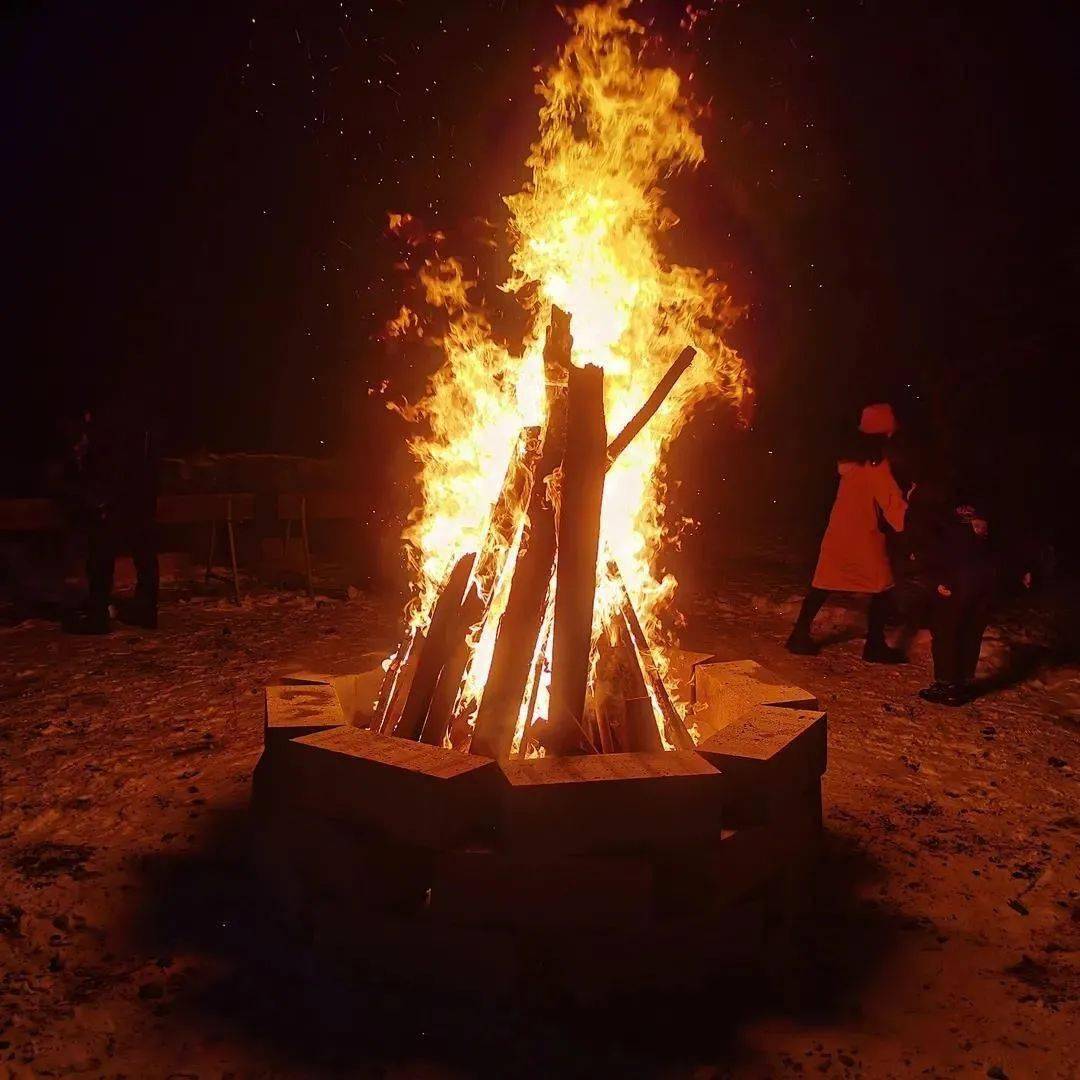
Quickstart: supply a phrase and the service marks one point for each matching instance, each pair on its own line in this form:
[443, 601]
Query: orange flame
[585, 232]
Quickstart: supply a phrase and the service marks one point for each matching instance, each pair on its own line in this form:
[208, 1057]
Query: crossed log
[559, 482]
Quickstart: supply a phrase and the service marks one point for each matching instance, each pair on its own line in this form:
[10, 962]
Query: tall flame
[585, 232]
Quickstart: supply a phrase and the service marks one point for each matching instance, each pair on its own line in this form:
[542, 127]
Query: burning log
[441, 637]
[506, 513]
[505, 518]
[453, 671]
[396, 682]
[578, 541]
[623, 706]
[515, 642]
[536, 675]
[674, 727]
[655, 400]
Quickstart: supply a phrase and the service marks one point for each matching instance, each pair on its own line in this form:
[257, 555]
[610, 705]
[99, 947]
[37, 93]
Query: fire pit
[590, 874]
[537, 788]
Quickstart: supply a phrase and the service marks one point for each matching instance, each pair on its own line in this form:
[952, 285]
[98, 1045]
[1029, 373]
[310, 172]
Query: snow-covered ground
[133, 940]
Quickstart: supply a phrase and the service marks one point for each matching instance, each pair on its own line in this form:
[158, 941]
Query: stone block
[409, 791]
[297, 709]
[421, 951]
[357, 694]
[682, 666]
[725, 691]
[595, 965]
[334, 859]
[487, 888]
[768, 756]
[609, 802]
[703, 882]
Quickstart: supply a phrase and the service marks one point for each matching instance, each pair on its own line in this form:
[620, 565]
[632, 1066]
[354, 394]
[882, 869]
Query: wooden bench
[31, 515]
[315, 505]
[216, 508]
[213, 508]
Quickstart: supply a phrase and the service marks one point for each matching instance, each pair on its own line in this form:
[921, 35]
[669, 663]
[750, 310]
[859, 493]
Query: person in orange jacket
[853, 557]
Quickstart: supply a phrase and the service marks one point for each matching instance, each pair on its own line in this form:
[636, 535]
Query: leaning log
[674, 727]
[581, 498]
[655, 400]
[396, 682]
[458, 652]
[506, 513]
[440, 642]
[623, 705]
[515, 641]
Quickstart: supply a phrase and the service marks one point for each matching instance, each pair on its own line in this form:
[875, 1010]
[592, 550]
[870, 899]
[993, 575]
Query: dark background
[195, 200]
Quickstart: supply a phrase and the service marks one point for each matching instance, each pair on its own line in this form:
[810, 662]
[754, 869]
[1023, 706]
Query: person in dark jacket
[114, 484]
[955, 564]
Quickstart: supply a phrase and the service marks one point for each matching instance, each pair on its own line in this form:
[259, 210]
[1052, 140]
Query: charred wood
[649, 409]
[581, 498]
[440, 642]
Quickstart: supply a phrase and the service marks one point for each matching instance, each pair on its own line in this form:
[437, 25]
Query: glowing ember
[585, 234]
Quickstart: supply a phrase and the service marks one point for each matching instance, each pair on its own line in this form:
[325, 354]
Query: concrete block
[425, 795]
[682, 665]
[703, 882]
[297, 709]
[608, 802]
[767, 756]
[765, 739]
[593, 966]
[303, 678]
[357, 694]
[333, 859]
[725, 691]
[422, 951]
[487, 888]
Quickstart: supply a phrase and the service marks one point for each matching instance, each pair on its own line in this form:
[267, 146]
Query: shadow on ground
[269, 985]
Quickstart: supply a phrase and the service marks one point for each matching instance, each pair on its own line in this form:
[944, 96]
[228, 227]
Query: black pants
[105, 540]
[958, 623]
[876, 616]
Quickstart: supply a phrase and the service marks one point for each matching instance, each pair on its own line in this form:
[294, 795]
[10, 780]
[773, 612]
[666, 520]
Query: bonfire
[537, 608]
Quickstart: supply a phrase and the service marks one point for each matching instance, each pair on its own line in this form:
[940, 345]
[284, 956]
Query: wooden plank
[191, 509]
[580, 502]
[438, 644]
[515, 641]
[321, 506]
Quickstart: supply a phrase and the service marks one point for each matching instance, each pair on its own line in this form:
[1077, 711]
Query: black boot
[945, 693]
[880, 653]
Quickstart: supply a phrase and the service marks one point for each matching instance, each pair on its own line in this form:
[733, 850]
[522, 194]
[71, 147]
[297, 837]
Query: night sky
[196, 200]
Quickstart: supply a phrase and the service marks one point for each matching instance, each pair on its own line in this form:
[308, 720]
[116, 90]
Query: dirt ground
[944, 932]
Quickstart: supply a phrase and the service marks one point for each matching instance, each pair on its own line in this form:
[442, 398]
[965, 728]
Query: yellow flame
[585, 232]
